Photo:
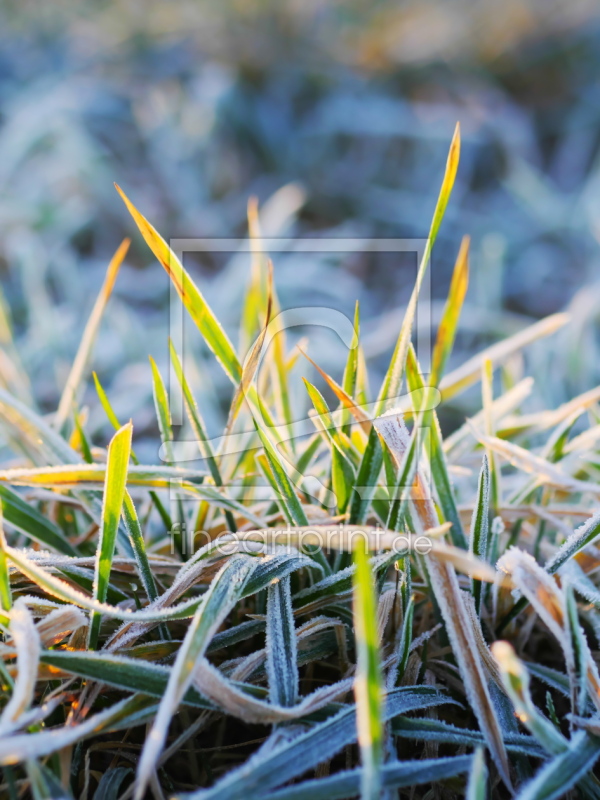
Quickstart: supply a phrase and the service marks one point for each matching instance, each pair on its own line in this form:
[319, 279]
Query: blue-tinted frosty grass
[367, 608]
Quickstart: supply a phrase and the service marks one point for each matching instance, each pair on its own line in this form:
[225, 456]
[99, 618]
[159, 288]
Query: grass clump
[372, 610]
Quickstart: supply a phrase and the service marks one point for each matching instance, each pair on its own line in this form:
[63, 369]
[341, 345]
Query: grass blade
[478, 543]
[450, 316]
[368, 688]
[114, 493]
[282, 656]
[197, 307]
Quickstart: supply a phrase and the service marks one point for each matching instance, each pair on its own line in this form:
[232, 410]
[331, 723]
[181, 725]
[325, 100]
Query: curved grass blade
[119, 451]
[436, 730]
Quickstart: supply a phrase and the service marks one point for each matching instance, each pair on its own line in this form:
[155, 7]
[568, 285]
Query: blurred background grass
[338, 117]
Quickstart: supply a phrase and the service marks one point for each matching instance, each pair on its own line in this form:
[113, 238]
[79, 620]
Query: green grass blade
[195, 417]
[163, 412]
[368, 687]
[136, 536]
[119, 451]
[5, 592]
[393, 776]
[437, 458]
[478, 544]
[282, 656]
[112, 418]
[405, 639]
[351, 370]
[288, 499]
[392, 383]
[451, 314]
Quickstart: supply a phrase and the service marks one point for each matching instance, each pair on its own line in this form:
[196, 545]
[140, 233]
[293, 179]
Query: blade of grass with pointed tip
[255, 303]
[451, 314]
[351, 370]
[478, 543]
[112, 418]
[393, 380]
[343, 456]
[368, 687]
[370, 466]
[345, 399]
[67, 400]
[119, 451]
[193, 300]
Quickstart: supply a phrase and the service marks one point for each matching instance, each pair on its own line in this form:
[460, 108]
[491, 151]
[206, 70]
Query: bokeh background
[337, 116]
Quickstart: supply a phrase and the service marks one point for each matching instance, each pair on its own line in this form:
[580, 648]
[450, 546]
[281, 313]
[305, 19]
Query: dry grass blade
[469, 373]
[459, 626]
[69, 394]
[543, 593]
